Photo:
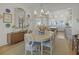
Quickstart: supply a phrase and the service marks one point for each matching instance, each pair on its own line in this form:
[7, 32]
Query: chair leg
[31, 50]
[52, 45]
[25, 52]
[51, 50]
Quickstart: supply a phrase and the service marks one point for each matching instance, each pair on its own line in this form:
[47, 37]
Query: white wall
[3, 29]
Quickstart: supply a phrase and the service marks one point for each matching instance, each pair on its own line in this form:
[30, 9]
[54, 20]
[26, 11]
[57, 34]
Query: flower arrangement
[42, 29]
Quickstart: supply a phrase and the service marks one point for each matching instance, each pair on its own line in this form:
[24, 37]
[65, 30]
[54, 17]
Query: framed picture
[7, 18]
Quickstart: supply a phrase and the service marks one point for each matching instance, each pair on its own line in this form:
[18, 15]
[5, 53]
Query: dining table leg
[41, 48]
[31, 49]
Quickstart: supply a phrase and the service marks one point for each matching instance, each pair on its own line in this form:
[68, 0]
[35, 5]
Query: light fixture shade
[35, 12]
[47, 13]
[42, 11]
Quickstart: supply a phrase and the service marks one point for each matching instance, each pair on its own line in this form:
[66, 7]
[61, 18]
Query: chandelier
[42, 12]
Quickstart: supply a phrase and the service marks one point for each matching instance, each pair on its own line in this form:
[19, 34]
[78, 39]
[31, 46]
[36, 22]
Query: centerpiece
[42, 29]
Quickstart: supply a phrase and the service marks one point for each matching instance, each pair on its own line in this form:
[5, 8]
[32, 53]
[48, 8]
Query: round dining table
[41, 38]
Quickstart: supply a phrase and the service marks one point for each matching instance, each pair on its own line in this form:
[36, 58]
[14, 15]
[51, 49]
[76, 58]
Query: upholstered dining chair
[50, 43]
[29, 44]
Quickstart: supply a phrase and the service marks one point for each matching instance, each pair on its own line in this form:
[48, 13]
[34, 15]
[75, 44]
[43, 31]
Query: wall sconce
[7, 10]
[28, 15]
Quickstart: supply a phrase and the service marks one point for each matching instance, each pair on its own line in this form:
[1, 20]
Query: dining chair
[29, 44]
[50, 43]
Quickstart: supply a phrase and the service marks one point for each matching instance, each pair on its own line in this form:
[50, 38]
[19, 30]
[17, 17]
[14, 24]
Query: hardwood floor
[62, 47]
[15, 49]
